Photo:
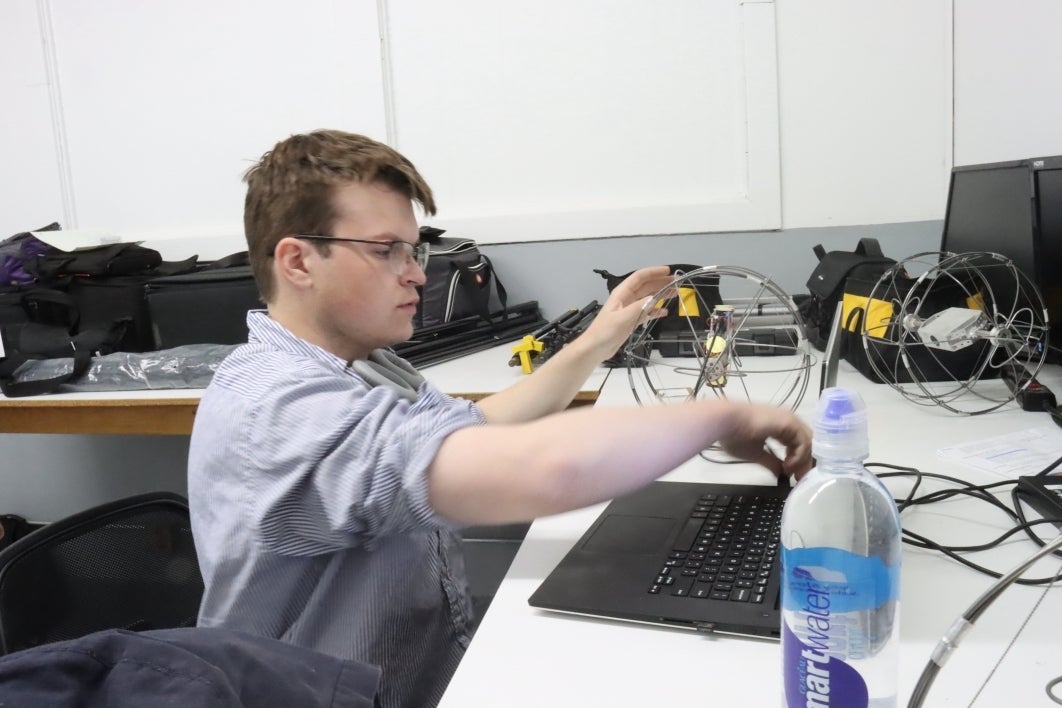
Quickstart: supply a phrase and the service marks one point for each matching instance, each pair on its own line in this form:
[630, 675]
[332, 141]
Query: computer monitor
[1049, 217]
[990, 208]
[1014, 209]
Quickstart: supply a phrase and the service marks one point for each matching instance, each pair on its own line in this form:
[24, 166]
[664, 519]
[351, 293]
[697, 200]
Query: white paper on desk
[73, 239]
[1011, 455]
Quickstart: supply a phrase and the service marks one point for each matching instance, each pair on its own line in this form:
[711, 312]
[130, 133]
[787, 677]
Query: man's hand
[622, 311]
[551, 387]
[750, 428]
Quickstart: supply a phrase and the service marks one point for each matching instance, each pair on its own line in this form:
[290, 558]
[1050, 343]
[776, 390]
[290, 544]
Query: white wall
[865, 111]
[1008, 76]
[156, 108]
[140, 117]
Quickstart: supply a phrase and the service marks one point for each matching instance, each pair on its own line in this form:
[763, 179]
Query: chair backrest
[127, 564]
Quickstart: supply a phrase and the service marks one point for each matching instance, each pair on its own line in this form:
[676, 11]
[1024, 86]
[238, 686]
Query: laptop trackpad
[631, 534]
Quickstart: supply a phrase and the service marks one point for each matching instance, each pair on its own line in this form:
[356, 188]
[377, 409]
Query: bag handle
[233, 260]
[19, 389]
[869, 246]
[431, 234]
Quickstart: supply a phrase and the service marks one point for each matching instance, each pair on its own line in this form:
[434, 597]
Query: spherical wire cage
[946, 329]
[731, 333]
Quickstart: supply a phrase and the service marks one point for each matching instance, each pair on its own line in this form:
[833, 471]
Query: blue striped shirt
[310, 512]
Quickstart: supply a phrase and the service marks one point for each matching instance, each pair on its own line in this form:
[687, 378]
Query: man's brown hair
[289, 191]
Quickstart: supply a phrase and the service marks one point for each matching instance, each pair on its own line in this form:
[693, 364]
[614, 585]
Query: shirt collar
[261, 328]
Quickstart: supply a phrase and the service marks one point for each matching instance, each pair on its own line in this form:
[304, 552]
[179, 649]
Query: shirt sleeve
[335, 463]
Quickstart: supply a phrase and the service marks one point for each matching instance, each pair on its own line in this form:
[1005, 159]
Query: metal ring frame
[714, 362]
[1014, 332]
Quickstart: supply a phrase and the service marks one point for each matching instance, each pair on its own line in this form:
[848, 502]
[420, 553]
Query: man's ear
[289, 260]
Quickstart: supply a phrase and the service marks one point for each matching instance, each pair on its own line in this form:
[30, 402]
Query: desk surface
[171, 412]
[523, 656]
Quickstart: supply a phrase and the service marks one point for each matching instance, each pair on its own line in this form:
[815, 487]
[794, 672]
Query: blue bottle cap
[840, 428]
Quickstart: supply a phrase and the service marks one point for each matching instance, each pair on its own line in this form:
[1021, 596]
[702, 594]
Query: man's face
[361, 303]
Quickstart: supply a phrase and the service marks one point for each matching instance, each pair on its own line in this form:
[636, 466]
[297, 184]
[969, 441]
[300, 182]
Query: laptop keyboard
[727, 550]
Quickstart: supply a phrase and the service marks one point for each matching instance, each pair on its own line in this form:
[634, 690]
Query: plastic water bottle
[841, 570]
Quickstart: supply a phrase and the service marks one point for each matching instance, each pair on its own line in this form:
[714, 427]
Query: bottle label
[848, 582]
[839, 611]
[814, 678]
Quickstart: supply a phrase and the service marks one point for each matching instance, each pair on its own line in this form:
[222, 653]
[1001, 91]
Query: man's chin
[402, 338]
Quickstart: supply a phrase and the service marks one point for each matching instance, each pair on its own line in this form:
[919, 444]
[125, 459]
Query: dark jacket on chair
[207, 668]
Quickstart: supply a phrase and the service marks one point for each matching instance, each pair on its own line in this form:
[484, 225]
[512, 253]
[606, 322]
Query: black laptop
[694, 555]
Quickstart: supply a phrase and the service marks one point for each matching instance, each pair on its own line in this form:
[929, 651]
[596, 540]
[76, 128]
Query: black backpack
[826, 285]
[853, 277]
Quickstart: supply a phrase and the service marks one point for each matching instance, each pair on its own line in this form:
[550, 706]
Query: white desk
[1034, 658]
[522, 656]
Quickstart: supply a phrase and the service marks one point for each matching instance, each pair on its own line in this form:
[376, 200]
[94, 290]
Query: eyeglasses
[399, 254]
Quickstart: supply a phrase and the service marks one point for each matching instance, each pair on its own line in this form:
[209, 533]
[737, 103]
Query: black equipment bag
[50, 306]
[869, 335]
[108, 260]
[870, 331]
[206, 307]
[103, 301]
[681, 331]
[866, 263]
[44, 323]
[32, 340]
[460, 282]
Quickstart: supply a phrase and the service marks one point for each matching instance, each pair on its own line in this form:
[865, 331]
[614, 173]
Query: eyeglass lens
[402, 253]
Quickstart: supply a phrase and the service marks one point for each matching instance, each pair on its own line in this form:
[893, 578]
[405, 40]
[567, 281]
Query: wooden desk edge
[130, 416]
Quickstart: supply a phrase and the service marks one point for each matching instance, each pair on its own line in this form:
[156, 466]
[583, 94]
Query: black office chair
[127, 564]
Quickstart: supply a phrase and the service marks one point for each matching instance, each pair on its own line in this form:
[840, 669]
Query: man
[326, 478]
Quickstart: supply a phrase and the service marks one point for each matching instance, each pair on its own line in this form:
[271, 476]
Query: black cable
[1047, 470]
[1026, 524]
[976, 491]
[954, 555]
[1051, 689]
[980, 492]
[965, 488]
[1016, 514]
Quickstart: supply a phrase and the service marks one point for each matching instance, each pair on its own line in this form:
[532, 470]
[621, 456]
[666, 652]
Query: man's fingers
[770, 461]
[647, 281]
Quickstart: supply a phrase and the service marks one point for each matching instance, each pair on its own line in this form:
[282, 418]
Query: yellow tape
[876, 315]
[688, 306]
[714, 348]
[976, 301]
